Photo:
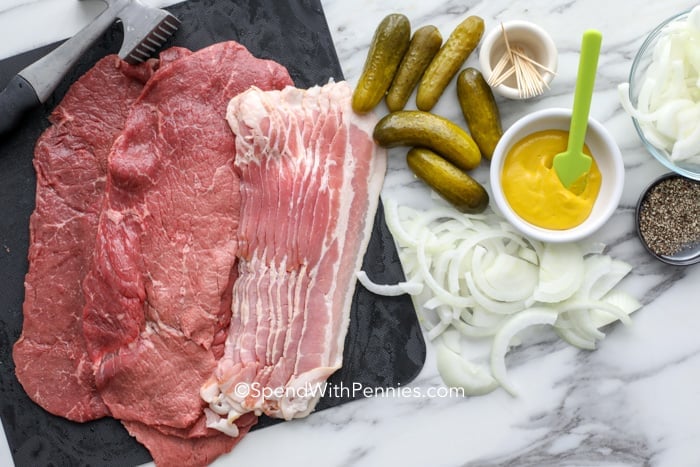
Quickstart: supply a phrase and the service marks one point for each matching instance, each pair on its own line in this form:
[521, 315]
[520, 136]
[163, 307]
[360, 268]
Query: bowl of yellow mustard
[527, 191]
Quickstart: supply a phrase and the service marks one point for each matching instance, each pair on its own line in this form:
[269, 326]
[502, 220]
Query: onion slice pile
[475, 276]
[668, 106]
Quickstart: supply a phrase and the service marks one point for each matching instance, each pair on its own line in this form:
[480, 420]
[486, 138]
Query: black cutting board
[384, 346]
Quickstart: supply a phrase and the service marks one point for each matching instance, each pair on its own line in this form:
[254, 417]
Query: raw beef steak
[71, 162]
[158, 293]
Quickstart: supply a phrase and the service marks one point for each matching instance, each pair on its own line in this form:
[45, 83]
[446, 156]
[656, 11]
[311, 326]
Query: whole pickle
[389, 44]
[425, 129]
[424, 45]
[480, 110]
[448, 60]
[455, 186]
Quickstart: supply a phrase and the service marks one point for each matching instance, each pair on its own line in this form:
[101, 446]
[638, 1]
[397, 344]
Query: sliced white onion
[594, 267]
[606, 282]
[468, 330]
[529, 255]
[561, 272]
[389, 290]
[583, 324]
[494, 306]
[438, 329]
[452, 340]
[437, 288]
[573, 305]
[509, 278]
[482, 279]
[458, 372]
[391, 216]
[571, 337]
[432, 303]
[668, 105]
[501, 342]
[618, 299]
[481, 317]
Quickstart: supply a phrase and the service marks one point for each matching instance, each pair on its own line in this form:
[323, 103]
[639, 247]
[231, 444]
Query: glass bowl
[638, 71]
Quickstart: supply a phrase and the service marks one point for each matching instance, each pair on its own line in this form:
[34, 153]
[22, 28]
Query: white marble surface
[632, 402]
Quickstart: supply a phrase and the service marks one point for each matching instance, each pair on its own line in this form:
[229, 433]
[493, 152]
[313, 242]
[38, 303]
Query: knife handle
[34, 84]
[16, 100]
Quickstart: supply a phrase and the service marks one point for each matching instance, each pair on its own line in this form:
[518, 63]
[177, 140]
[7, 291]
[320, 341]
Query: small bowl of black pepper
[668, 219]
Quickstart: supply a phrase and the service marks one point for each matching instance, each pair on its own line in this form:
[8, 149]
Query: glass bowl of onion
[663, 93]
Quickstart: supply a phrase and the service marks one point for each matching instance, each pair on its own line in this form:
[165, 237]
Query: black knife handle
[16, 100]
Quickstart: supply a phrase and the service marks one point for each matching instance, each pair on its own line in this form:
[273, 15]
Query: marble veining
[631, 402]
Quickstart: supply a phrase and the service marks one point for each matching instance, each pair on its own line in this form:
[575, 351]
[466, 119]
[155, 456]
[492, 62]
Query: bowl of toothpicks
[518, 59]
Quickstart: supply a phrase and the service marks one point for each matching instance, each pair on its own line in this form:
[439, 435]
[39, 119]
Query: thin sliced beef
[179, 451]
[71, 162]
[310, 182]
[158, 293]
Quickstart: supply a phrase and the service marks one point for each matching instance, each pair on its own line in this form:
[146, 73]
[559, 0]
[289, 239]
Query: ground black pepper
[669, 216]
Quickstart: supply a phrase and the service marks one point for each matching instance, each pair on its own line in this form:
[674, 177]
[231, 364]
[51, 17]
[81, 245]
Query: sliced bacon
[310, 178]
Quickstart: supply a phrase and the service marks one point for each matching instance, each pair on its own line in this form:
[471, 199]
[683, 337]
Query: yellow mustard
[533, 189]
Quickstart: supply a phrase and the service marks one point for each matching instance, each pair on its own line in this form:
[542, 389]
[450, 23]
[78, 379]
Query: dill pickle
[425, 129]
[424, 45]
[455, 186]
[448, 60]
[480, 110]
[389, 44]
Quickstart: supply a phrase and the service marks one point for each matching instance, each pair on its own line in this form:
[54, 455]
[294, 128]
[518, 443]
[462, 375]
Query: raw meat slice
[179, 451]
[310, 181]
[70, 159]
[158, 293]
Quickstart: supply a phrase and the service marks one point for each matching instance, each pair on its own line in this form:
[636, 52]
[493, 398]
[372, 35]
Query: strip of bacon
[310, 178]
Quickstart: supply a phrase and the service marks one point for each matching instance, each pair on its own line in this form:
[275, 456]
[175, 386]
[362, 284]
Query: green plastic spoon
[571, 164]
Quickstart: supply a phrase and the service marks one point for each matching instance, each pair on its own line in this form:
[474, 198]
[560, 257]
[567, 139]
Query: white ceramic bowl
[605, 151]
[534, 40]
